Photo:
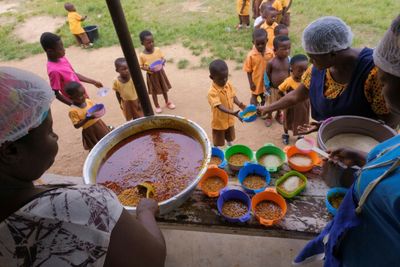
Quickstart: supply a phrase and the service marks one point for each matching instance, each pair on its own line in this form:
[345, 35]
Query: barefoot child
[268, 24]
[221, 98]
[243, 11]
[256, 64]
[299, 114]
[59, 69]
[74, 21]
[92, 129]
[157, 81]
[125, 91]
[278, 70]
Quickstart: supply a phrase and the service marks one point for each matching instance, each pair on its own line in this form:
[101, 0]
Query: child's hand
[236, 114]
[242, 106]
[90, 117]
[97, 84]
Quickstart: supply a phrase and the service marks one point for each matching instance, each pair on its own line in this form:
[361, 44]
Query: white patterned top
[68, 226]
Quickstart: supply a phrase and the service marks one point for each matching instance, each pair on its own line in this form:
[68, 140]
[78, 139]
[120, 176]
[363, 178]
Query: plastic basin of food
[213, 171]
[297, 191]
[234, 194]
[268, 195]
[271, 149]
[238, 149]
[248, 109]
[254, 169]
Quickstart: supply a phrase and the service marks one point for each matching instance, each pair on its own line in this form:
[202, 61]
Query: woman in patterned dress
[342, 80]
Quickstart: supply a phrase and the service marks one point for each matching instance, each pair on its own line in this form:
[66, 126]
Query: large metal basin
[99, 152]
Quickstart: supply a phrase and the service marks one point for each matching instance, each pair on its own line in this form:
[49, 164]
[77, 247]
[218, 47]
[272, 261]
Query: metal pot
[99, 152]
[333, 174]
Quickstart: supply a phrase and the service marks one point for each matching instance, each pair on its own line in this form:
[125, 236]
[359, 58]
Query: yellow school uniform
[256, 63]
[218, 95]
[277, 4]
[287, 84]
[74, 21]
[270, 31]
[246, 9]
[76, 114]
[126, 90]
[372, 89]
[147, 59]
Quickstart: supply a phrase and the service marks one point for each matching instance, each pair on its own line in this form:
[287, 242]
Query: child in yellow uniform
[157, 80]
[299, 114]
[268, 24]
[283, 9]
[74, 21]
[243, 11]
[256, 64]
[222, 97]
[93, 129]
[125, 91]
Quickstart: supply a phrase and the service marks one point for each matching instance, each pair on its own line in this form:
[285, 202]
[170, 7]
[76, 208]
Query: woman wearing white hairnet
[341, 81]
[366, 229]
[59, 225]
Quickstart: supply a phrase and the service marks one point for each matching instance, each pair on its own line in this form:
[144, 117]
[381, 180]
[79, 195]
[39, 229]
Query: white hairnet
[325, 35]
[387, 53]
[24, 102]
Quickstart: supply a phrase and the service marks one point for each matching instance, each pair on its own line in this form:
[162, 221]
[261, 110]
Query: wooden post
[121, 27]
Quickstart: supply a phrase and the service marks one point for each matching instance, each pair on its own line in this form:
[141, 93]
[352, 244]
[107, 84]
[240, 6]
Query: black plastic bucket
[92, 32]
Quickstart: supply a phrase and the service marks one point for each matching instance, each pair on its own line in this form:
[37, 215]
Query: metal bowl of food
[101, 156]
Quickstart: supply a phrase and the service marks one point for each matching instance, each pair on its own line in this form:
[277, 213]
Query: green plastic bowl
[286, 194]
[271, 149]
[238, 149]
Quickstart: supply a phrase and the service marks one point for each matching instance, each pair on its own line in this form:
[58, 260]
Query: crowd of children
[270, 70]
[67, 83]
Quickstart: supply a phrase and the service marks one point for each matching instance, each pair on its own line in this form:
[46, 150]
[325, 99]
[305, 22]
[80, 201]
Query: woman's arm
[289, 100]
[137, 242]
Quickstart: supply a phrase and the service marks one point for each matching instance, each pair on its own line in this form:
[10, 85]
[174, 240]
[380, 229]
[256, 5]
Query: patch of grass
[183, 63]
[198, 31]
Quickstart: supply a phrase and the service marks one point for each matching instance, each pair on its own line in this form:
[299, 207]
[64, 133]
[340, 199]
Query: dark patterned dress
[63, 227]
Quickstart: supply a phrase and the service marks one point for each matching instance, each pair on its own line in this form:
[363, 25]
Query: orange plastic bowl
[269, 194]
[292, 150]
[213, 171]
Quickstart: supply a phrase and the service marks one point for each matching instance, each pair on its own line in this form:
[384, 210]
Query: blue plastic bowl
[157, 63]
[254, 169]
[216, 152]
[98, 110]
[249, 108]
[331, 192]
[234, 194]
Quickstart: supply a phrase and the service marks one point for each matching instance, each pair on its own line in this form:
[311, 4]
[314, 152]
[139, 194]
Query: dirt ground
[31, 30]
[189, 93]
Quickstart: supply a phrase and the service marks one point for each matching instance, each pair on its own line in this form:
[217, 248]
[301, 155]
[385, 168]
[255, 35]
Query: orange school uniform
[74, 21]
[270, 31]
[256, 63]
[218, 95]
[246, 9]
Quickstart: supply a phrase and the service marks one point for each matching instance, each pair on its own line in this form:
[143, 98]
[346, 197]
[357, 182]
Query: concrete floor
[201, 249]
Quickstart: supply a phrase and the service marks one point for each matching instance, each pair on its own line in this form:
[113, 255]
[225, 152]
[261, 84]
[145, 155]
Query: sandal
[170, 105]
[285, 139]
[158, 110]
